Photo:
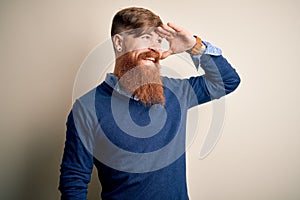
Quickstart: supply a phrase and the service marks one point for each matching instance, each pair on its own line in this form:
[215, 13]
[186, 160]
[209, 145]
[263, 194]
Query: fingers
[168, 30]
[162, 32]
[174, 27]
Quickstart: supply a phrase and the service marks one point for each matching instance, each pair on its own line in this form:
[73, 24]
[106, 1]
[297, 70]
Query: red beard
[138, 74]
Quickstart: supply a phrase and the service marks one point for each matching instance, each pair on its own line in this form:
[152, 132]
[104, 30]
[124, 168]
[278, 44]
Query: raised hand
[179, 39]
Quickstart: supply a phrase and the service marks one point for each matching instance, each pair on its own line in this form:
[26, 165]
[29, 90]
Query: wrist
[198, 48]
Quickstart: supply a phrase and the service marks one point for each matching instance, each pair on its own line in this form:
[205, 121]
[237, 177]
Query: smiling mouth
[150, 59]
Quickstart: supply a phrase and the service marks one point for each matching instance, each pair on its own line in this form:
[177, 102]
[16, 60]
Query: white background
[43, 43]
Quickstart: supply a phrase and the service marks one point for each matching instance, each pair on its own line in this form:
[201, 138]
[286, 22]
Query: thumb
[165, 54]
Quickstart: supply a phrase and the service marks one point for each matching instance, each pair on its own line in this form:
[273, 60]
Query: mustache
[151, 53]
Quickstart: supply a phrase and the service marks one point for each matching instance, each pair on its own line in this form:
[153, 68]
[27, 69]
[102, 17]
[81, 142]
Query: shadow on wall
[41, 168]
[94, 187]
[39, 174]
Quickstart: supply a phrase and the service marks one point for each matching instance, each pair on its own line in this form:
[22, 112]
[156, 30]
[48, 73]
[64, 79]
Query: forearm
[220, 77]
[76, 167]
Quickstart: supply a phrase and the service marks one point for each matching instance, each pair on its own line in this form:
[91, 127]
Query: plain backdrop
[43, 43]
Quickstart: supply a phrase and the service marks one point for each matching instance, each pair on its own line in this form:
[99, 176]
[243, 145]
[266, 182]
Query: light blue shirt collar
[113, 81]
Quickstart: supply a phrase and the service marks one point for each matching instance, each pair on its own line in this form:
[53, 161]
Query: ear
[117, 41]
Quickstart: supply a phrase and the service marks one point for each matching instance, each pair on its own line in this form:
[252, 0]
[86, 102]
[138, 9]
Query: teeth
[151, 59]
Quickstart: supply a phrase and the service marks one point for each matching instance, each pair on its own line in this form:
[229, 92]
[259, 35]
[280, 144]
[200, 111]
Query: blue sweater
[139, 151]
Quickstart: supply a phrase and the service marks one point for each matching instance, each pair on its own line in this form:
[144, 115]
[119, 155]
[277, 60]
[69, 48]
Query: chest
[134, 127]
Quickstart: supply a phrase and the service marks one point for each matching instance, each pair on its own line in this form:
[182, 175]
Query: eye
[159, 40]
[146, 37]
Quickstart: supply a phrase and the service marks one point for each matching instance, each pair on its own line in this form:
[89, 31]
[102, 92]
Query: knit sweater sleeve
[77, 161]
[220, 78]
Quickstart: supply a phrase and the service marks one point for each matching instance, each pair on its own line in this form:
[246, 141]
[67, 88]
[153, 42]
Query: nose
[156, 46]
[156, 50]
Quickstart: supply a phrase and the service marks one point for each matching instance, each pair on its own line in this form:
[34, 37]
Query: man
[132, 127]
